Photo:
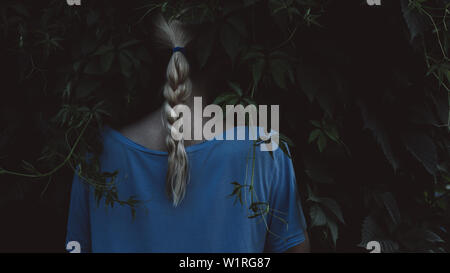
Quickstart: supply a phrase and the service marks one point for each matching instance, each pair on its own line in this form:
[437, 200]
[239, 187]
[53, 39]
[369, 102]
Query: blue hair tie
[179, 48]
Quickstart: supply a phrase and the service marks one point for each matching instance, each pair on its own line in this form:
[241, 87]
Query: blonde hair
[177, 90]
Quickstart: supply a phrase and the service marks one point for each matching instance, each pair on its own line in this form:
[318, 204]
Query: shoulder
[254, 141]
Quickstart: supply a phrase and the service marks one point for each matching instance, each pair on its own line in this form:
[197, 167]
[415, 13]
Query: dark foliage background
[363, 93]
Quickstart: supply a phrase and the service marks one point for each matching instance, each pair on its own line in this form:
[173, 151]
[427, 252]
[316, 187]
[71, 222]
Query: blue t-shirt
[208, 219]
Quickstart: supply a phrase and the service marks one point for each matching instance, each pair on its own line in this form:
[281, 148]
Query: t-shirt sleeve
[287, 225]
[78, 224]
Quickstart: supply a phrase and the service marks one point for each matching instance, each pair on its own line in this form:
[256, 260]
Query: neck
[150, 131]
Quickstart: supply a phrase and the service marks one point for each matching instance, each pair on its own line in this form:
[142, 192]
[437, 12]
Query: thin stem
[288, 39]
[437, 32]
[3, 171]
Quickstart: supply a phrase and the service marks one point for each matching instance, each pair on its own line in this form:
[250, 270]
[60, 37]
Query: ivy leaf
[423, 149]
[415, 22]
[331, 131]
[286, 139]
[318, 216]
[333, 227]
[314, 134]
[316, 123]
[284, 149]
[322, 142]
[379, 132]
[432, 237]
[237, 192]
[236, 88]
[334, 207]
[392, 208]
[28, 166]
[254, 53]
[249, 101]
[224, 98]
[128, 43]
[370, 231]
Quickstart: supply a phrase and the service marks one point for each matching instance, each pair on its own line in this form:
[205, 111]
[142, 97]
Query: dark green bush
[363, 92]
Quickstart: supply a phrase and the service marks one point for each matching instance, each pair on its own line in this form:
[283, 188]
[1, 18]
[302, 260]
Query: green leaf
[237, 192]
[76, 65]
[284, 149]
[316, 123]
[286, 139]
[233, 101]
[249, 101]
[130, 55]
[236, 88]
[314, 134]
[322, 142]
[224, 98]
[28, 166]
[370, 231]
[254, 53]
[432, 237]
[311, 195]
[129, 43]
[414, 20]
[423, 149]
[331, 131]
[392, 208]
[378, 130]
[334, 207]
[318, 216]
[333, 227]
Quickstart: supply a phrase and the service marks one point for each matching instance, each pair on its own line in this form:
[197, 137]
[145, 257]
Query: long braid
[177, 91]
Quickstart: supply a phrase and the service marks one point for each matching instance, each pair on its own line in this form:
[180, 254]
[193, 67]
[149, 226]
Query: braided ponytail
[177, 90]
